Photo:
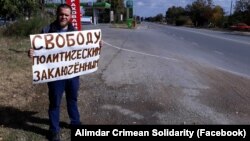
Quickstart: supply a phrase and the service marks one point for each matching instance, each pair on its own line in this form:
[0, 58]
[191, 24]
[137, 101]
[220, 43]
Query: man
[56, 88]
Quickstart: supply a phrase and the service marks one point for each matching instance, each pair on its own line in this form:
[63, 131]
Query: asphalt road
[226, 50]
[158, 74]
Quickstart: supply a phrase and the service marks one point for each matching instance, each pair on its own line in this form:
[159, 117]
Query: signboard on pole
[129, 3]
[121, 17]
[111, 16]
[76, 13]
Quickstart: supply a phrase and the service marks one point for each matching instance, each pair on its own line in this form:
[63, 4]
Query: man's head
[63, 15]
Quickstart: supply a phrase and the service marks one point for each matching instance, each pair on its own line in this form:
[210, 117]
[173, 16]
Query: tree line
[23, 17]
[117, 6]
[35, 11]
[205, 13]
[14, 9]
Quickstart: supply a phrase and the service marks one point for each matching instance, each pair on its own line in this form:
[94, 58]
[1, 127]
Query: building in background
[89, 10]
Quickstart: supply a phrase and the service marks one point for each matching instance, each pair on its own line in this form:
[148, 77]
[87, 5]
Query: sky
[147, 8]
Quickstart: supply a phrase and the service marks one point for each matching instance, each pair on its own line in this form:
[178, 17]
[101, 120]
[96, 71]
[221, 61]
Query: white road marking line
[142, 53]
[233, 72]
[123, 111]
[214, 36]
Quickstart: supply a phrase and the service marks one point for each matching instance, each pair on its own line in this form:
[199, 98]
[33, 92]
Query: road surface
[226, 50]
[160, 74]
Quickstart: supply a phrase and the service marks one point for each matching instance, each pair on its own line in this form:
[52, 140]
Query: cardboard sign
[65, 55]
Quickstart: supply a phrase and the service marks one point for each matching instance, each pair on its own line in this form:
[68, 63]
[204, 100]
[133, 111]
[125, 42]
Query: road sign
[129, 3]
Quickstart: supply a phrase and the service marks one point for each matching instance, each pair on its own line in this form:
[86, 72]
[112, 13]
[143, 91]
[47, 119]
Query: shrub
[182, 20]
[23, 27]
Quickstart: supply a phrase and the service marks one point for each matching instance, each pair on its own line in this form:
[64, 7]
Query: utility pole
[128, 16]
[129, 5]
[111, 12]
[230, 16]
[231, 7]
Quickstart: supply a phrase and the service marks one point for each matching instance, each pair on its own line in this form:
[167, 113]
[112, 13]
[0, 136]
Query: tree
[117, 6]
[174, 13]
[28, 7]
[242, 5]
[218, 16]
[200, 12]
[11, 9]
[242, 12]
[158, 18]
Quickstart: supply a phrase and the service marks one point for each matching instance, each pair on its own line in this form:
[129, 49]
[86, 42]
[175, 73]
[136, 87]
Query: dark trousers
[56, 90]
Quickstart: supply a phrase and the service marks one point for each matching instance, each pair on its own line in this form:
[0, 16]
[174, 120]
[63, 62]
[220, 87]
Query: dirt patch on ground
[16, 89]
[228, 94]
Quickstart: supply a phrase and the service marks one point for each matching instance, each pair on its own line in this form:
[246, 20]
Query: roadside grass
[16, 88]
[122, 25]
[23, 106]
[119, 26]
[21, 136]
[15, 72]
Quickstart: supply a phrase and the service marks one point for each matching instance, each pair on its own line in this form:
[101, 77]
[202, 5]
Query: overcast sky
[148, 8]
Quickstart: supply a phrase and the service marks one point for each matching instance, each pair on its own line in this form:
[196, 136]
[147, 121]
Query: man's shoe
[54, 136]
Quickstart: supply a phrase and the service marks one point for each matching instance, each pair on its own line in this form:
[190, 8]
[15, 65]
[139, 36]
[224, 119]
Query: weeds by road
[17, 92]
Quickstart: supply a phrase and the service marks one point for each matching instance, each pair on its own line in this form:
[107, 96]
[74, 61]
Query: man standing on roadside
[57, 88]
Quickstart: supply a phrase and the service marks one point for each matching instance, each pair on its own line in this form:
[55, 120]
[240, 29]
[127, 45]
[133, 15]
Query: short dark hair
[63, 6]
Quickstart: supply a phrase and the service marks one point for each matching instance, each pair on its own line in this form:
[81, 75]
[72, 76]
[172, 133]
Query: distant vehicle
[240, 26]
[86, 20]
